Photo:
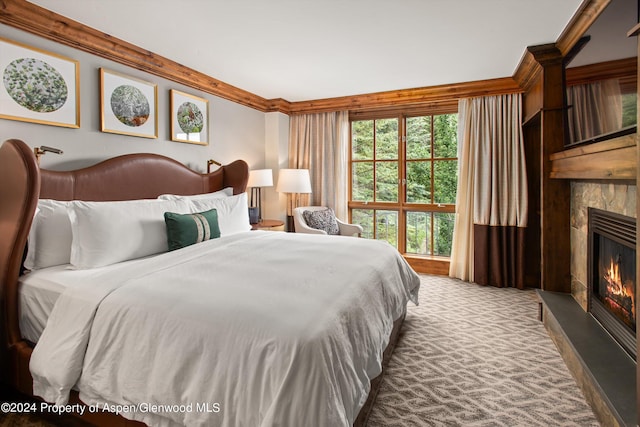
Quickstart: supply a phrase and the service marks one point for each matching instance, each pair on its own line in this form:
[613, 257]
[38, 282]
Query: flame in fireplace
[616, 289]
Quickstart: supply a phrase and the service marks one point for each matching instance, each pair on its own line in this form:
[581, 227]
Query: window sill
[428, 264]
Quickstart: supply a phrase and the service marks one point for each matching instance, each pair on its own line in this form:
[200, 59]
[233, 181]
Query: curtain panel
[491, 206]
[320, 142]
[595, 108]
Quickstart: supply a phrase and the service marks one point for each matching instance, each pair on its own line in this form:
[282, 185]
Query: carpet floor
[477, 356]
[468, 356]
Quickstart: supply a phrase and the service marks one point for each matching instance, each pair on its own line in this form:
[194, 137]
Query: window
[403, 180]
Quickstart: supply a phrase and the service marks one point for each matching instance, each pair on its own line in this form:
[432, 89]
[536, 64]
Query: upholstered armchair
[321, 220]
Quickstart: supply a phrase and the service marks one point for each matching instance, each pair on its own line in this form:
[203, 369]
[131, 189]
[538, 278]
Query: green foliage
[364, 217]
[419, 233]
[387, 181]
[419, 137]
[387, 226]
[445, 142]
[418, 230]
[419, 182]
[431, 151]
[362, 140]
[443, 233]
[446, 181]
[386, 139]
[362, 182]
[35, 85]
[629, 109]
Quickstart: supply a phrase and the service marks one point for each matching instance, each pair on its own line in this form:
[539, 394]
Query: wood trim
[625, 69]
[633, 32]
[414, 97]
[611, 159]
[52, 26]
[529, 68]
[440, 107]
[586, 14]
[428, 265]
[528, 71]
[42, 22]
[532, 63]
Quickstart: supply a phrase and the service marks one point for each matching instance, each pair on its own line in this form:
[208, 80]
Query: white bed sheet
[38, 292]
[271, 328]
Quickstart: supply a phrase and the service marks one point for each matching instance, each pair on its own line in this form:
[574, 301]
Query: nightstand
[269, 225]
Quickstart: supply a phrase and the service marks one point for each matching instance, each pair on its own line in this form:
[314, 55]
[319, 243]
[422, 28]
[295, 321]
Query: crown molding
[409, 97]
[535, 57]
[34, 19]
[586, 14]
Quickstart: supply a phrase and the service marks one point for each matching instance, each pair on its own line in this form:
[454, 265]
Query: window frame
[402, 207]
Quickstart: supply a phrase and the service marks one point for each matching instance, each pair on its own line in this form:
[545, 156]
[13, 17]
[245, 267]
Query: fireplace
[612, 275]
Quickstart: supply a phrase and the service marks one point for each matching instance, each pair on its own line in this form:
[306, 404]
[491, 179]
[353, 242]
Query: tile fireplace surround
[617, 198]
[604, 371]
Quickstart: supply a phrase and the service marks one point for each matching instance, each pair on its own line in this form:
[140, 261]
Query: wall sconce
[40, 151]
[212, 162]
[294, 182]
[257, 179]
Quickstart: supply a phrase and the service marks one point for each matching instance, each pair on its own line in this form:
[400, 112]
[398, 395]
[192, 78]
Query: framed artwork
[38, 86]
[128, 106]
[189, 118]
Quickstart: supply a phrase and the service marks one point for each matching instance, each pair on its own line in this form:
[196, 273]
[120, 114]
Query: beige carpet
[477, 356]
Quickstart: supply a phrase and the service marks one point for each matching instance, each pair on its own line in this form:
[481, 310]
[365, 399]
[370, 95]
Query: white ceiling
[303, 50]
[608, 34]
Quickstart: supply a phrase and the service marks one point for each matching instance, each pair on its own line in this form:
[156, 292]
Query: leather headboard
[139, 176]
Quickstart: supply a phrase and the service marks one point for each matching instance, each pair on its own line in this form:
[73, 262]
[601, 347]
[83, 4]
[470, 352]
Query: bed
[250, 328]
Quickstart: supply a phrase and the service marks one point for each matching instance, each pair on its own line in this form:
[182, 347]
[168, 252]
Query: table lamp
[293, 182]
[257, 179]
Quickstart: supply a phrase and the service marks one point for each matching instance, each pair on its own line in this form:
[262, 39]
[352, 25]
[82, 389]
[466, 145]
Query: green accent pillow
[188, 229]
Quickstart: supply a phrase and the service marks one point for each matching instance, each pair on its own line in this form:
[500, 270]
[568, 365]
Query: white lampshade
[294, 181]
[260, 178]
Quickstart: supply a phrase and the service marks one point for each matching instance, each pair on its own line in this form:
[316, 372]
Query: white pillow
[50, 236]
[225, 192]
[233, 212]
[106, 233]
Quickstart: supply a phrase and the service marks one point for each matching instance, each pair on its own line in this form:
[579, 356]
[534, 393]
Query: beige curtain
[491, 204]
[320, 142]
[595, 108]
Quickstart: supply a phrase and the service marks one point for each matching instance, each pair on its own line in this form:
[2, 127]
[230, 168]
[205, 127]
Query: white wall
[236, 132]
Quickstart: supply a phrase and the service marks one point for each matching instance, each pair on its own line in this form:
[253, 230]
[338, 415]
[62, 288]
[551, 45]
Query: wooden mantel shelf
[612, 159]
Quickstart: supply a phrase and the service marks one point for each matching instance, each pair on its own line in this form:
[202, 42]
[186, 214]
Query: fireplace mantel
[611, 159]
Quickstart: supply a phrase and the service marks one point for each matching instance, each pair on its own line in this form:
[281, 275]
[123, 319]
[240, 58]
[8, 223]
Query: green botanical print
[130, 106]
[35, 85]
[190, 118]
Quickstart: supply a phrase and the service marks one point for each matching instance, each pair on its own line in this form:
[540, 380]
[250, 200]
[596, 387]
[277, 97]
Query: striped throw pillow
[189, 229]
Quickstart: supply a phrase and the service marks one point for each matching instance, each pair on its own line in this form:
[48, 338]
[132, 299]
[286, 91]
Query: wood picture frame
[189, 118]
[38, 86]
[128, 106]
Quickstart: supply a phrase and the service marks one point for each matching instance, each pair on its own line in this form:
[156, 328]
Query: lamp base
[254, 215]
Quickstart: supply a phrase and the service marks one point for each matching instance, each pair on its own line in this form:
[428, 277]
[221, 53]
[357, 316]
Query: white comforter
[254, 329]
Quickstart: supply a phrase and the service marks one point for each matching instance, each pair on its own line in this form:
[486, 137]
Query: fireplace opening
[612, 275]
